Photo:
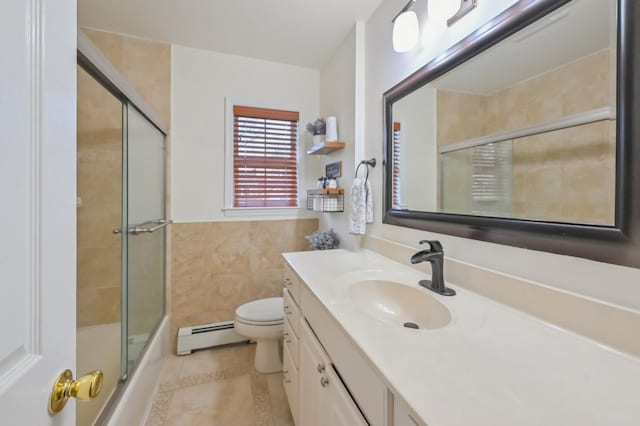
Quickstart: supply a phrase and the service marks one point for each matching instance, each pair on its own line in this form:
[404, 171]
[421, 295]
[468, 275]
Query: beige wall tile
[99, 176]
[147, 66]
[217, 266]
[512, 112]
[587, 83]
[566, 175]
[111, 46]
[98, 306]
[265, 284]
[99, 267]
[227, 291]
[460, 116]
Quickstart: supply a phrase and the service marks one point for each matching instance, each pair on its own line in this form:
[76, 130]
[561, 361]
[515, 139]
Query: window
[491, 179]
[395, 186]
[265, 157]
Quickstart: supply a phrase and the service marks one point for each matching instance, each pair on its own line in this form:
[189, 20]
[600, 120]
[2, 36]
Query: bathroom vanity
[349, 359]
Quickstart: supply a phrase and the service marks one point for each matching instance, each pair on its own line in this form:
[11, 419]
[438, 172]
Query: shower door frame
[91, 60]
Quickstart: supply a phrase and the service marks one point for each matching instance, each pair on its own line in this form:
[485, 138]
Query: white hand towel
[361, 206]
[369, 202]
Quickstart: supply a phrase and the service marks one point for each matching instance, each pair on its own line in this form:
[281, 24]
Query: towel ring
[367, 163]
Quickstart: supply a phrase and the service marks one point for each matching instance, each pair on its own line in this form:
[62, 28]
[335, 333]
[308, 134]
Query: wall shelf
[325, 200]
[325, 148]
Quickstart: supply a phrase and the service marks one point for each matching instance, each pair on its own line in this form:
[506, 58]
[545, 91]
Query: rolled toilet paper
[332, 129]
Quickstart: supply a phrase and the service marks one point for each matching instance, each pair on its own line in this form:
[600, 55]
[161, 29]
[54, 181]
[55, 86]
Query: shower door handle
[159, 224]
[140, 230]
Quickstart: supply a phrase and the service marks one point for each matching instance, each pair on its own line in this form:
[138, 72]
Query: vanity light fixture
[466, 6]
[405, 29]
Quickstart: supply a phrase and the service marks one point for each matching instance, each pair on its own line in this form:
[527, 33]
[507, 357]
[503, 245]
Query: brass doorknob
[86, 388]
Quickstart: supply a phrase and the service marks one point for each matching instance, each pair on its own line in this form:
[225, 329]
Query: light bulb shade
[405, 31]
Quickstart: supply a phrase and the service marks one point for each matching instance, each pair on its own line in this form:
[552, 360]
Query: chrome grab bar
[138, 229]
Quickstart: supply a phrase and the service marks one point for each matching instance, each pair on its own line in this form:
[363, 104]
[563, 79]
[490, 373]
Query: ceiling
[580, 28]
[297, 32]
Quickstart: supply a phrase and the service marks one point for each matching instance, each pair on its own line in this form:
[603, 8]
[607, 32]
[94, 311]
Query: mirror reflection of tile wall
[567, 175]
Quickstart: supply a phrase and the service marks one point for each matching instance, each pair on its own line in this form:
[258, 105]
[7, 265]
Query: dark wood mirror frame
[618, 244]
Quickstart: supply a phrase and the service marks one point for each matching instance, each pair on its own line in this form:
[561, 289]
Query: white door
[37, 206]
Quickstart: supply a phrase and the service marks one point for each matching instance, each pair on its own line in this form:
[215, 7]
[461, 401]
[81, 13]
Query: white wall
[337, 98]
[200, 82]
[384, 68]
[418, 150]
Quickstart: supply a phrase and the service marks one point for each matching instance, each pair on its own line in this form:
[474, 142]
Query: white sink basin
[398, 304]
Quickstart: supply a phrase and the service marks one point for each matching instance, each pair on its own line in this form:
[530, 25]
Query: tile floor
[218, 387]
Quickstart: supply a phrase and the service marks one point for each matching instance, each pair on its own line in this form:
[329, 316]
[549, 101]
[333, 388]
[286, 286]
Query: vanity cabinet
[291, 339]
[326, 379]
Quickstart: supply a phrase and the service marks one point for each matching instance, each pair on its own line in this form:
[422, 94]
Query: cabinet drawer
[290, 381]
[291, 311]
[291, 341]
[291, 282]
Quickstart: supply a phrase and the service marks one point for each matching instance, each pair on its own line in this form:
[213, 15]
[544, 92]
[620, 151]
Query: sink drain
[411, 325]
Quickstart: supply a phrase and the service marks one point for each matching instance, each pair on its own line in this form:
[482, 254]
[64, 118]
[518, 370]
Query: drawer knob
[324, 382]
[321, 368]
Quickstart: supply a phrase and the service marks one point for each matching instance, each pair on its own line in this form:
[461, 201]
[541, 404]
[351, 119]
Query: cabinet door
[312, 397]
[402, 415]
[322, 400]
[290, 382]
[341, 410]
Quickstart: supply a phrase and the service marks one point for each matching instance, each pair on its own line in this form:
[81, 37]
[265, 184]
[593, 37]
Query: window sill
[266, 211]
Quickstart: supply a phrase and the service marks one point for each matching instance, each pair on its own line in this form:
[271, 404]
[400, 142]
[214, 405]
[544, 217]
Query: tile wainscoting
[217, 266]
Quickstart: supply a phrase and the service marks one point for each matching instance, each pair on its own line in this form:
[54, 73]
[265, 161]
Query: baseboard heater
[206, 336]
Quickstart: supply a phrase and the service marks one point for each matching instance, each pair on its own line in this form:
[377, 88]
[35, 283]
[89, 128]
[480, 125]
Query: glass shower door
[144, 274]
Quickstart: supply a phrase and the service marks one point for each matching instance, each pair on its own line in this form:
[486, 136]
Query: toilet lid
[260, 310]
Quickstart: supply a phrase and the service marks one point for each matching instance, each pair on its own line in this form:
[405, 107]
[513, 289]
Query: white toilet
[262, 320]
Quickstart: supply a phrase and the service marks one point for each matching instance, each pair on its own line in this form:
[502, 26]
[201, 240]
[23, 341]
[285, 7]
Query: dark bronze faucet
[435, 256]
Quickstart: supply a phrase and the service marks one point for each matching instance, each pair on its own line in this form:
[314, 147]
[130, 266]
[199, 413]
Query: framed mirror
[523, 133]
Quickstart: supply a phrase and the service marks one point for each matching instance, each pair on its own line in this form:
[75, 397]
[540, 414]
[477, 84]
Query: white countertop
[492, 365]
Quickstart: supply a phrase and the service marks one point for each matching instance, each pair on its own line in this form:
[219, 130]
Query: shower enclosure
[121, 226]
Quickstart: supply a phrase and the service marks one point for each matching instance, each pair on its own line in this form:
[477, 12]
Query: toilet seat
[262, 312]
[259, 323]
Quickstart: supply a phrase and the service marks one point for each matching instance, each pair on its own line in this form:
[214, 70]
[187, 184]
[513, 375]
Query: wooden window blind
[395, 186]
[265, 157]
